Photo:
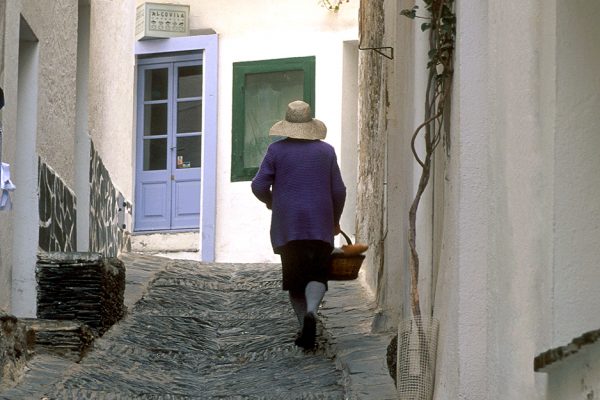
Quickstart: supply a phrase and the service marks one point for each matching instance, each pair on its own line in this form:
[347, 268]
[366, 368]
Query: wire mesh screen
[417, 348]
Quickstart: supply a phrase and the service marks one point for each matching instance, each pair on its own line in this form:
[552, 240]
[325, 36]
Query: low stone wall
[13, 349]
[81, 286]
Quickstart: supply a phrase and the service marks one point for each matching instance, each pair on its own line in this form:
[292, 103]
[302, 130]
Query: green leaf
[409, 13]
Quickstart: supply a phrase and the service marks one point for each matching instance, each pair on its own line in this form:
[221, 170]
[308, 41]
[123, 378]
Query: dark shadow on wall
[108, 210]
[57, 208]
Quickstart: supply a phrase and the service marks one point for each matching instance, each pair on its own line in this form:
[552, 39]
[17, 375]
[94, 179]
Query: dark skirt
[304, 261]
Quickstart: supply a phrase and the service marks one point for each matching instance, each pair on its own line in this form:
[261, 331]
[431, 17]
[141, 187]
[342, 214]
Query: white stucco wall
[525, 197]
[518, 267]
[5, 270]
[111, 89]
[57, 33]
[39, 118]
[406, 82]
[494, 287]
[398, 164]
[577, 171]
[519, 276]
[261, 30]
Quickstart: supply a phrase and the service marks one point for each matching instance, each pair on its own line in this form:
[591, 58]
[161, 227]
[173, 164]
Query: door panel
[186, 209]
[155, 206]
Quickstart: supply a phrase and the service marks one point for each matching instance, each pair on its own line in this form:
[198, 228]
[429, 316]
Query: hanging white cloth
[6, 186]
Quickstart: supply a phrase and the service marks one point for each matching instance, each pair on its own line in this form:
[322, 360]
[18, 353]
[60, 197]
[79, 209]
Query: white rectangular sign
[155, 21]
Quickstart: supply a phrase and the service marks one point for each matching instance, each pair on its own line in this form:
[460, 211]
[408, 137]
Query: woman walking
[300, 181]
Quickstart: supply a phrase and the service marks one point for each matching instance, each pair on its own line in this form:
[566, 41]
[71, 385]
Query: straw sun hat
[299, 123]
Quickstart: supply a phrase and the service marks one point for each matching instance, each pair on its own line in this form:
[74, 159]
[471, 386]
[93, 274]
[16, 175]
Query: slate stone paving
[201, 331]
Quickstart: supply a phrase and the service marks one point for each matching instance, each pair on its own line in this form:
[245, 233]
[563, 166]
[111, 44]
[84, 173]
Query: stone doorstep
[161, 242]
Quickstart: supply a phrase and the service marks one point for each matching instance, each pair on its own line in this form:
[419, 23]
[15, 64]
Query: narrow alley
[219, 331]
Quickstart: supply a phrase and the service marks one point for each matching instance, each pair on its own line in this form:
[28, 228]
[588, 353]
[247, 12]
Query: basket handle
[346, 237]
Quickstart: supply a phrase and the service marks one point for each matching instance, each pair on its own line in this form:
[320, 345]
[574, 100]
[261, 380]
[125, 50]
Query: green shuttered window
[261, 93]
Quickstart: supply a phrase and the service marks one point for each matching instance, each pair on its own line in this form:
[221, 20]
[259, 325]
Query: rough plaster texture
[469, 258]
[82, 137]
[348, 157]
[521, 210]
[520, 204]
[111, 88]
[405, 91]
[54, 25]
[393, 299]
[494, 283]
[577, 182]
[372, 135]
[5, 270]
[39, 119]
[9, 122]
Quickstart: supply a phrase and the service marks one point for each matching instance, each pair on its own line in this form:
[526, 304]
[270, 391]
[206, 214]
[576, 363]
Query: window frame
[240, 173]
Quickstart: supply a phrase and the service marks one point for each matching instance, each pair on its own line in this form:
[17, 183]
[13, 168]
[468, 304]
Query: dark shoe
[298, 341]
[298, 338]
[309, 330]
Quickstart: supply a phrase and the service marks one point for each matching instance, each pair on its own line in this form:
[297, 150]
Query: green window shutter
[261, 93]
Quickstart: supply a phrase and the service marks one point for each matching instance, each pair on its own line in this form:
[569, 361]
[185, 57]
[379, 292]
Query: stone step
[68, 339]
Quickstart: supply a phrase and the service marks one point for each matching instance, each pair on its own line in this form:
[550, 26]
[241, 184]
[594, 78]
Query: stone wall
[109, 212]
[83, 287]
[57, 208]
[13, 349]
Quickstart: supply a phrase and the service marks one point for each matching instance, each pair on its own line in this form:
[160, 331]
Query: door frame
[208, 46]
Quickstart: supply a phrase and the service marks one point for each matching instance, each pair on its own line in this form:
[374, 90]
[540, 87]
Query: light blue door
[169, 144]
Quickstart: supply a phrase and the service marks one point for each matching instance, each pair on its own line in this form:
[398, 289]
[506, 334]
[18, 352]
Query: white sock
[314, 293]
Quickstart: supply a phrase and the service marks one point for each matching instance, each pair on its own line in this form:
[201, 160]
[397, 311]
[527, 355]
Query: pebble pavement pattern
[216, 331]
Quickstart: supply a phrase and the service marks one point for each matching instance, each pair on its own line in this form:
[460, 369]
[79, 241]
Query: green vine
[440, 22]
[333, 5]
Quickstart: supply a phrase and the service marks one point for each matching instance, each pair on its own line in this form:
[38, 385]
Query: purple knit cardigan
[300, 181]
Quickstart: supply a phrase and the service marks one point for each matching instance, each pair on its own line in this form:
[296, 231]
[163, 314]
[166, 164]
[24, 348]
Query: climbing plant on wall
[333, 5]
[439, 21]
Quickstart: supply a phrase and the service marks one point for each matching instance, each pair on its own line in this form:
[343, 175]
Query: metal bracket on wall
[378, 50]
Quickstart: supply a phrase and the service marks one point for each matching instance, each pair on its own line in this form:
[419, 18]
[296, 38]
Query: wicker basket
[344, 267]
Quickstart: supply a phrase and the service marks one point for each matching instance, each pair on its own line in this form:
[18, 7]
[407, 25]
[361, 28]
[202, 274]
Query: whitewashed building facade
[509, 227]
[117, 143]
